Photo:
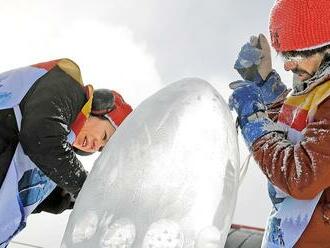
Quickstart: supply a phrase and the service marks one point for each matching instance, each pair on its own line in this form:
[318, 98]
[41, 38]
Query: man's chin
[303, 77]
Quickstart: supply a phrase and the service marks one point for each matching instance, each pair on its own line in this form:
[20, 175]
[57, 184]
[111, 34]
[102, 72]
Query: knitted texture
[120, 111]
[297, 25]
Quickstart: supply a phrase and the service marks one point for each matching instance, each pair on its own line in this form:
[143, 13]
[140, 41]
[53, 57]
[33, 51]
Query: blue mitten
[247, 62]
[246, 100]
[254, 64]
[272, 87]
[250, 108]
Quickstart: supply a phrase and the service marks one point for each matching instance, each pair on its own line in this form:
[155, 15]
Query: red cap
[120, 110]
[297, 25]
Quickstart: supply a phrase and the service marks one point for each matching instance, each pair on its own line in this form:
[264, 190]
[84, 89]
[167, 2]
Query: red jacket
[302, 170]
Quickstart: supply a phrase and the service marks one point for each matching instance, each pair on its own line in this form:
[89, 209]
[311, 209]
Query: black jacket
[48, 110]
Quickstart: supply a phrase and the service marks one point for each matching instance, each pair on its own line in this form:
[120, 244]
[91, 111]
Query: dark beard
[299, 86]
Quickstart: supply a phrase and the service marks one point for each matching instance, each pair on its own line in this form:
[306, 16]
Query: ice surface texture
[168, 178]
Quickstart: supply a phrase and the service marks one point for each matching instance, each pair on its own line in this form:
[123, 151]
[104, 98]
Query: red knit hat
[111, 105]
[120, 110]
[297, 25]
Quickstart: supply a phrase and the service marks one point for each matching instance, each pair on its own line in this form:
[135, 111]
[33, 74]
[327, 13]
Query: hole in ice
[85, 227]
[120, 234]
[163, 233]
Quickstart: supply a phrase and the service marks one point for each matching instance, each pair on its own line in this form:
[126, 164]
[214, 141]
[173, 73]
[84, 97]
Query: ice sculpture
[167, 179]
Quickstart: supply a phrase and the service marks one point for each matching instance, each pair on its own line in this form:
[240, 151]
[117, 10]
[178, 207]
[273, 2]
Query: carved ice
[168, 178]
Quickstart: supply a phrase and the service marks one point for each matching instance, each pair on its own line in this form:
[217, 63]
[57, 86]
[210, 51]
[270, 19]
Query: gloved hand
[58, 201]
[254, 64]
[272, 87]
[254, 61]
[246, 100]
[250, 108]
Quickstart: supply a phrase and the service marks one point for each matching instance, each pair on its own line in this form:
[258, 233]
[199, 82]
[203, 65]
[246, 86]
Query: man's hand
[58, 201]
[272, 87]
[254, 61]
[265, 66]
[246, 100]
[254, 64]
[250, 108]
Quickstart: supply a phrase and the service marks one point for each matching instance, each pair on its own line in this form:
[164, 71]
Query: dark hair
[81, 152]
[305, 53]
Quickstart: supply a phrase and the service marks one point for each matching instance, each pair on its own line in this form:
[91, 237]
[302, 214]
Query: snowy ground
[43, 230]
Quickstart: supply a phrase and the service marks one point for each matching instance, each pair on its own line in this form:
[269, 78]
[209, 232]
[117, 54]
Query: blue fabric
[248, 57]
[32, 186]
[3, 245]
[24, 186]
[272, 87]
[71, 137]
[249, 106]
[15, 84]
[247, 62]
[10, 210]
[288, 219]
[253, 130]
[246, 100]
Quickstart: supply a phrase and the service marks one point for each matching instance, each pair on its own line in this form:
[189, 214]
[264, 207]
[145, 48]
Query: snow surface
[167, 178]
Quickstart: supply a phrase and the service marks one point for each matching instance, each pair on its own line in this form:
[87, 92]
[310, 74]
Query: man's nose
[290, 65]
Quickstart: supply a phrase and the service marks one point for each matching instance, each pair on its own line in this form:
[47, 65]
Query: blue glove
[254, 64]
[272, 87]
[254, 61]
[250, 108]
[246, 100]
[247, 62]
